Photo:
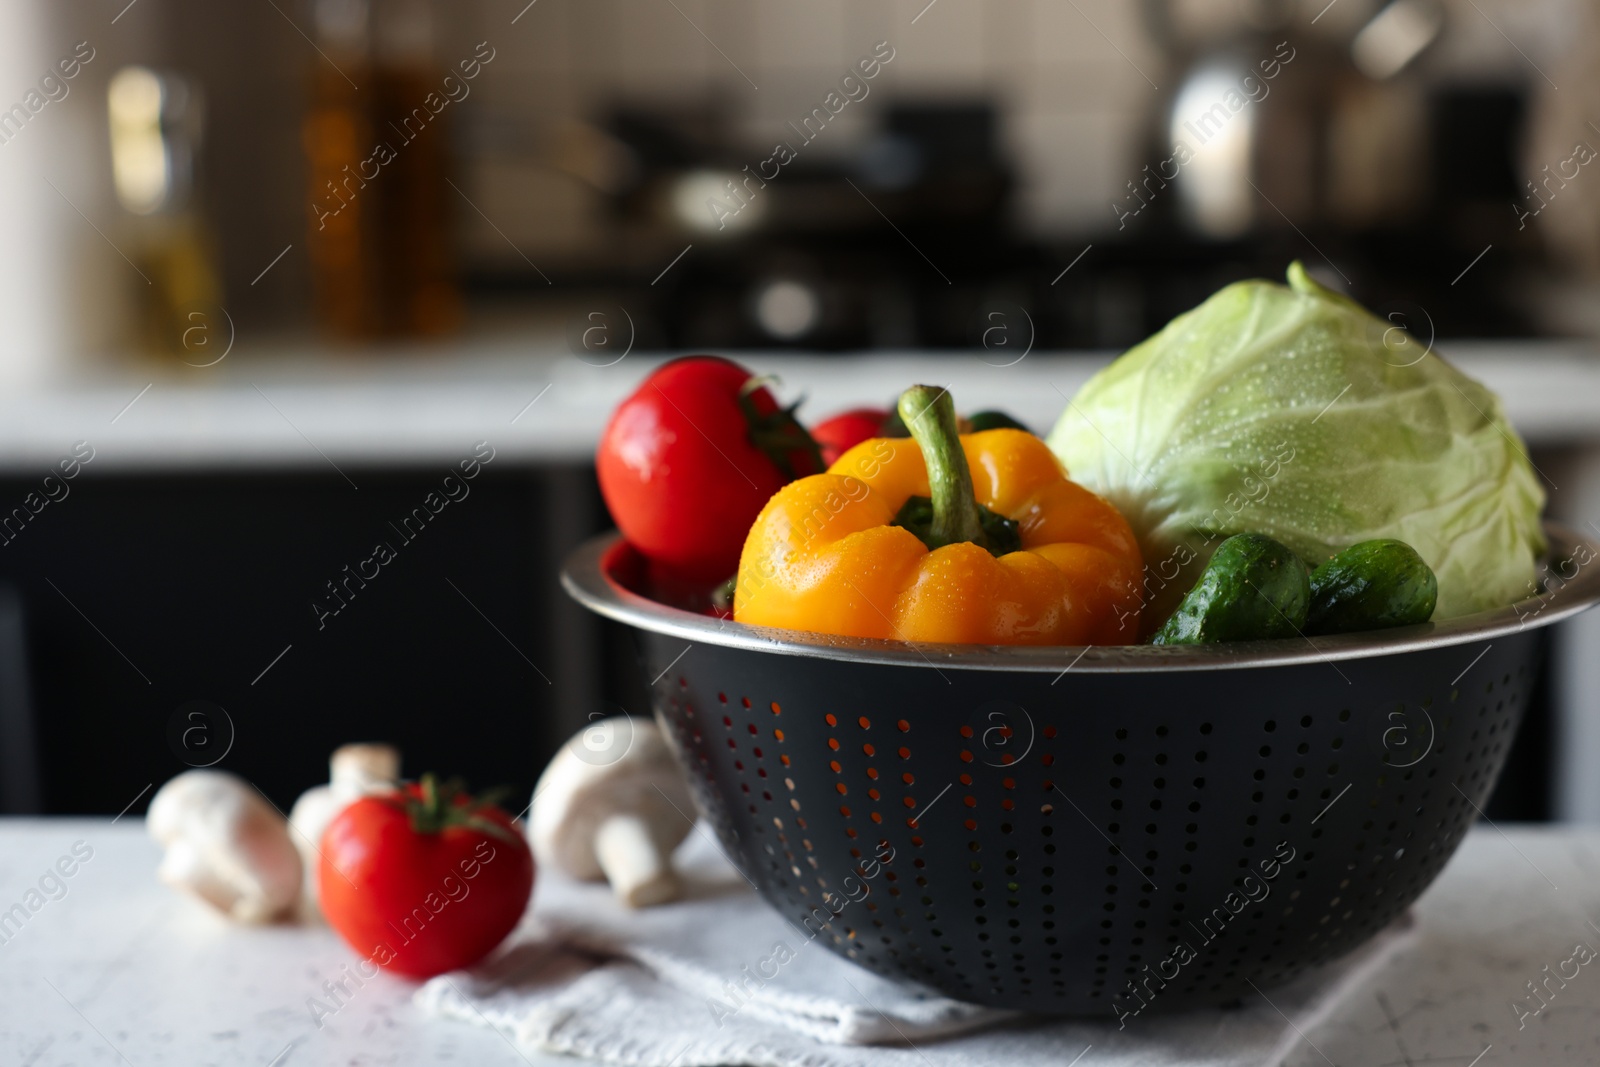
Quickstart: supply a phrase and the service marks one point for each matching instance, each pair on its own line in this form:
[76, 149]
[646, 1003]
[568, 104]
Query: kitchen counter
[116, 969]
[121, 970]
[538, 404]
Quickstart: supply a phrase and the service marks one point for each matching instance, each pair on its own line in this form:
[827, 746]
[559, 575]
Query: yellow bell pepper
[976, 538]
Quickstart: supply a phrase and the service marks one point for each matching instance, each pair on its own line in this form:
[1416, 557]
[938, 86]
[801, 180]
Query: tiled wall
[1077, 81]
[1066, 74]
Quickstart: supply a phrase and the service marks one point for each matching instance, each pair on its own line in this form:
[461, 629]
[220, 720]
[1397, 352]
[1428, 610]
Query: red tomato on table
[424, 880]
[689, 460]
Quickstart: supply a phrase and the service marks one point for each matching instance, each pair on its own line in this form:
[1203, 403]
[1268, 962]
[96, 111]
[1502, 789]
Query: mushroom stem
[635, 865]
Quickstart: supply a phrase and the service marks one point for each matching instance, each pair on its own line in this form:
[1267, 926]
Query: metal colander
[1087, 831]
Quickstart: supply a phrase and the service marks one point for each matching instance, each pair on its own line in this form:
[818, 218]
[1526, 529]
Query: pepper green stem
[930, 414]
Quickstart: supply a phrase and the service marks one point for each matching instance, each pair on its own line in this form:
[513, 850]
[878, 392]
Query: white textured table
[118, 970]
[122, 971]
[1507, 906]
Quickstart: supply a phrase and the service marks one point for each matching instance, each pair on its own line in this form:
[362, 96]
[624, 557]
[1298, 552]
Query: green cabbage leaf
[1293, 412]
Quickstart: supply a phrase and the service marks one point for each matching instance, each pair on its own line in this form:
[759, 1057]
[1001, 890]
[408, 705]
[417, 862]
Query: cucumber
[1253, 589]
[1372, 585]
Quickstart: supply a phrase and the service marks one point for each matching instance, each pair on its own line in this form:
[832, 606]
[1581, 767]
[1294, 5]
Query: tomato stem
[779, 433]
[930, 414]
[441, 805]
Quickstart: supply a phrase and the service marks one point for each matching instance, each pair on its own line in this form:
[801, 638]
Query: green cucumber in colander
[1253, 589]
[1372, 585]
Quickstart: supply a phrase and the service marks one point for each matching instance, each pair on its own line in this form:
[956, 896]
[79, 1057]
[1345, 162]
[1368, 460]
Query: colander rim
[588, 576]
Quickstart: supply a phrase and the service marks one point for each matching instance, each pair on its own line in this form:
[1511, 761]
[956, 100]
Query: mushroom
[613, 805]
[354, 771]
[226, 845]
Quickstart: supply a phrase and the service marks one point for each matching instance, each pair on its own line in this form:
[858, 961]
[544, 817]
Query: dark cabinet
[247, 618]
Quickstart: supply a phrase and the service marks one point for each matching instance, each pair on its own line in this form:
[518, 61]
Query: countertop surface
[121, 970]
[538, 403]
[107, 966]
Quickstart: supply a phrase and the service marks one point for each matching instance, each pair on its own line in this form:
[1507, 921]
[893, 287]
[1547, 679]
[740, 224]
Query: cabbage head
[1293, 412]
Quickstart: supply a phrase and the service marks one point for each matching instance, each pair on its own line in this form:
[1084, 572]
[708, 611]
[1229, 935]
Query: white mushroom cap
[613, 804]
[354, 771]
[226, 845]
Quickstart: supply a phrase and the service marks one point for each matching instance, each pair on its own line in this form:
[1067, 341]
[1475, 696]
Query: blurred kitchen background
[280, 264]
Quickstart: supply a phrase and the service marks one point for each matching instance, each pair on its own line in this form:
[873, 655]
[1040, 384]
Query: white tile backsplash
[1077, 80]
[801, 35]
[942, 53]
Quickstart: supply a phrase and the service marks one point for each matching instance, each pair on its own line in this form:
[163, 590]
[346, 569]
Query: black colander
[1088, 831]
